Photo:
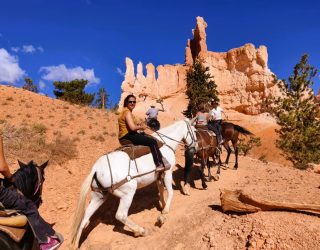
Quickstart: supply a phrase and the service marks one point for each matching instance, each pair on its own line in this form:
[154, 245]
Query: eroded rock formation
[241, 74]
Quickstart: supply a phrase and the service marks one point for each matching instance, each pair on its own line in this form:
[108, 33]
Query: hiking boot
[53, 244]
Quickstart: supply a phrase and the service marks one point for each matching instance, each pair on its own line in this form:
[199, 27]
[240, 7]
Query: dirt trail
[194, 222]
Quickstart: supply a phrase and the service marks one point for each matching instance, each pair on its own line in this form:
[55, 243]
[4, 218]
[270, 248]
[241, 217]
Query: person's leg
[13, 200]
[139, 139]
[213, 126]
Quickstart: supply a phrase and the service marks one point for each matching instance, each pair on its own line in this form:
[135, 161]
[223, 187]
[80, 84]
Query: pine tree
[73, 92]
[102, 99]
[200, 88]
[29, 85]
[296, 111]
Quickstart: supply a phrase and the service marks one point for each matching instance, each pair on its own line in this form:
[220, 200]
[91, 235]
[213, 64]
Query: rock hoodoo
[241, 74]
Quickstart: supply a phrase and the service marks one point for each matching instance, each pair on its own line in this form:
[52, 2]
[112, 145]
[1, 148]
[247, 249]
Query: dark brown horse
[231, 132]
[207, 147]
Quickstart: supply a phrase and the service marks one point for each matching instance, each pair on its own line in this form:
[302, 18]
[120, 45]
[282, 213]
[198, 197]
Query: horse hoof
[205, 187]
[216, 177]
[185, 190]
[143, 233]
[161, 219]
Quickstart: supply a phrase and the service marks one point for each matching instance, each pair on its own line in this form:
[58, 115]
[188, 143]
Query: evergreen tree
[73, 92]
[29, 85]
[102, 100]
[295, 111]
[200, 88]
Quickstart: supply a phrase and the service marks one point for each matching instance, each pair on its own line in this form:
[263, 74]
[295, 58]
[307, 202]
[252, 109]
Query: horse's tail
[85, 188]
[242, 130]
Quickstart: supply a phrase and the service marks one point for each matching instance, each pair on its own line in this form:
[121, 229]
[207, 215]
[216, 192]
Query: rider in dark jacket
[47, 238]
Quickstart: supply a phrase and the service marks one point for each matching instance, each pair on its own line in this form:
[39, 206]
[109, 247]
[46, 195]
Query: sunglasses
[134, 102]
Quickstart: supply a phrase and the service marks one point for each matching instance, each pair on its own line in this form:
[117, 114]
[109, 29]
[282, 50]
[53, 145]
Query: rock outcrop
[242, 76]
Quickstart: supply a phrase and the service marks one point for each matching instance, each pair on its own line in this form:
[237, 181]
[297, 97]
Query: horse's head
[190, 137]
[29, 179]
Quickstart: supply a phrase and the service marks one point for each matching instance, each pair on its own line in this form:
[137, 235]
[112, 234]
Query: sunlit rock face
[242, 76]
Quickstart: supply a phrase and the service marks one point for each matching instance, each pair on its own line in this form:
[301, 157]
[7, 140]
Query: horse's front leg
[168, 184]
[203, 179]
[161, 192]
[209, 169]
[236, 153]
[189, 158]
[228, 154]
[126, 193]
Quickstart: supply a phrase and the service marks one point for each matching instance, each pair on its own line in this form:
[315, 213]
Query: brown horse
[207, 147]
[231, 132]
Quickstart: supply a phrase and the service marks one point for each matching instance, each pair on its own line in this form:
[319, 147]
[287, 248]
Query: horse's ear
[21, 164]
[192, 121]
[44, 165]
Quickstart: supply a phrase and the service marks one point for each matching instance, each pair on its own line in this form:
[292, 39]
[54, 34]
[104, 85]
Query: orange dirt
[194, 222]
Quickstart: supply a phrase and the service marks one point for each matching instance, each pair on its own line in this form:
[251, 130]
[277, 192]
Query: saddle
[12, 223]
[136, 151]
[205, 128]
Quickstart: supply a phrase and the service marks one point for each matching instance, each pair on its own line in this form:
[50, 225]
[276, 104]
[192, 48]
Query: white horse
[116, 167]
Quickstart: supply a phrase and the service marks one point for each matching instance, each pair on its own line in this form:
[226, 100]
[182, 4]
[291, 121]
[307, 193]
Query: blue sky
[57, 40]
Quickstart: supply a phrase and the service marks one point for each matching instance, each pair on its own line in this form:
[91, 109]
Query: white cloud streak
[28, 49]
[42, 85]
[120, 72]
[62, 73]
[10, 70]
[15, 49]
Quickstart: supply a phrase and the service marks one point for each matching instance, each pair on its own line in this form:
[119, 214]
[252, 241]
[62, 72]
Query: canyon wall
[242, 76]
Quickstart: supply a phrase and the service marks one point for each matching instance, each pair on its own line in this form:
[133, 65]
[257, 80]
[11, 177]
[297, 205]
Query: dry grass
[29, 143]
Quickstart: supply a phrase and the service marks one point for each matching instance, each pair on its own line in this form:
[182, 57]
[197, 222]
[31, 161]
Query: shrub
[244, 146]
[296, 113]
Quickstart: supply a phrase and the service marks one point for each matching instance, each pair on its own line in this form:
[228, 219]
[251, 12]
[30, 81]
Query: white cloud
[15, 49]
[120, 72]
[40, 49]
[10, 70]
[28, 49]
[42, 85]
[62, 73]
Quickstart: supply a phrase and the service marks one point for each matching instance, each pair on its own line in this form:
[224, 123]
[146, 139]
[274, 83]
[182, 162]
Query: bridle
[192, 144]
[38, 190]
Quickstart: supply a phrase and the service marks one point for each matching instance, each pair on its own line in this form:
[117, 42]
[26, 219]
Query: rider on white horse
[129, 130]
[117, 167]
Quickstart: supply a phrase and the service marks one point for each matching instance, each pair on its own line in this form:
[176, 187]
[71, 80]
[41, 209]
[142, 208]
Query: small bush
[245, 146]
[39, 128]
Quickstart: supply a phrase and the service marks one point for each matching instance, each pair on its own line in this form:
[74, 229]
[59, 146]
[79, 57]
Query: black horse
[28, 179]
[153, 124]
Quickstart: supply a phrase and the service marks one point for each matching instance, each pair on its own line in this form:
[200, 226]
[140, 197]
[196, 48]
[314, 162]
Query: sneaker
[53, 244]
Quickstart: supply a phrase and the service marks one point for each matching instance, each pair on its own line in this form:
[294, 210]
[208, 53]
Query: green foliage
[296, 111]
[73, 92]
[102, 100]
[29, 85]
[244, 146]
[200, 88]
